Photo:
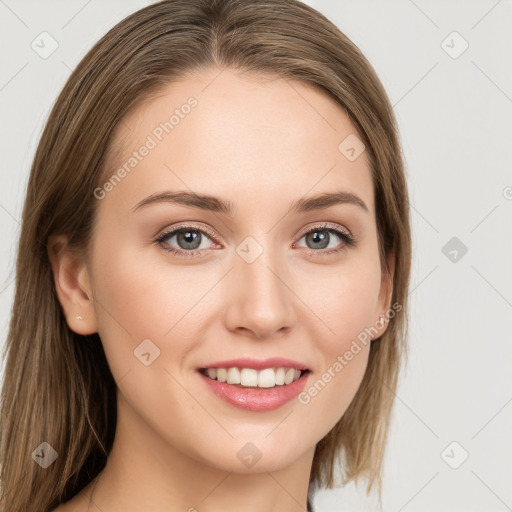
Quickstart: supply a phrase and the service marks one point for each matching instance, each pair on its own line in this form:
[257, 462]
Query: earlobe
[72, 286]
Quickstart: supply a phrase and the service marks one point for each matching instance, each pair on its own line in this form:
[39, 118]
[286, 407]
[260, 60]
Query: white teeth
[249, 377]
[280, 376]
[267, 378]
[290, 374]
[233, 376]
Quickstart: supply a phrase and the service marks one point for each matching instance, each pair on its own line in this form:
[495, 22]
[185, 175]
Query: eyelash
[348, 240]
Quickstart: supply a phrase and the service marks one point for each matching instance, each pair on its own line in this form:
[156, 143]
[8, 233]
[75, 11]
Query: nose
[260, 300]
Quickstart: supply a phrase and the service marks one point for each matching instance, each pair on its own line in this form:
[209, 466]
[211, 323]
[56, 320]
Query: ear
[385, 296]
[72, 285]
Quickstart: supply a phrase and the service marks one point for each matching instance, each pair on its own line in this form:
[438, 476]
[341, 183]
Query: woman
[211, 290]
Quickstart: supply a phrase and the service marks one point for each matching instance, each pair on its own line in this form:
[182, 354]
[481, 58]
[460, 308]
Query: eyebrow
[215, 204]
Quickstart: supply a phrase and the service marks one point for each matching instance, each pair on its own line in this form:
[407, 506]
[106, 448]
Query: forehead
[237, 135]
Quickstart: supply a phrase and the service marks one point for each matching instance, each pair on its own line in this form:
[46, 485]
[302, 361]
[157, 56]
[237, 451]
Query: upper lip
[258, 364]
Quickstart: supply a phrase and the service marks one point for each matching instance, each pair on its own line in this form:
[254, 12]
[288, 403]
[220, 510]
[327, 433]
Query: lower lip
[262, 399]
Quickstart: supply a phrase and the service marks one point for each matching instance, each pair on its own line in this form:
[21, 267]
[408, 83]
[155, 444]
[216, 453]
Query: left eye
[322, 238]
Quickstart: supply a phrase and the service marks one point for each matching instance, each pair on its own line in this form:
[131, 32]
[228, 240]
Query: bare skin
[261, 144]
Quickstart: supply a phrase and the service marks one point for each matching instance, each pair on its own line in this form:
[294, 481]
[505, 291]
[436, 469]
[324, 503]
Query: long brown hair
[57, 386]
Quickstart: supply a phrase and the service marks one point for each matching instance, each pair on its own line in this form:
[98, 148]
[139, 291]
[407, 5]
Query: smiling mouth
[255, 379]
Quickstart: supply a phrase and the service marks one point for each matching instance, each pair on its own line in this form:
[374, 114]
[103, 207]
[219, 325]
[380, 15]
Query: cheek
[133, 303]
[141, 297]
[347, 312]
[347, 301]
[329, 394]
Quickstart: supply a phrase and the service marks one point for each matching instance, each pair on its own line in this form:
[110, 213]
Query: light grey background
[455, 120]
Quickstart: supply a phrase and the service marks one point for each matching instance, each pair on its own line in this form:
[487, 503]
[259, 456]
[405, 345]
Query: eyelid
[325, 225]
[166, 232]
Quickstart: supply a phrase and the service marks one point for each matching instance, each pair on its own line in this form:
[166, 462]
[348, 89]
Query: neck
[144, 471]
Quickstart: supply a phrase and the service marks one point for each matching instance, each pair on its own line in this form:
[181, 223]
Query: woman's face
[253, 283]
